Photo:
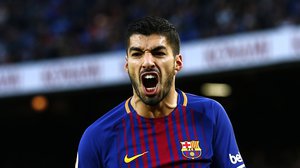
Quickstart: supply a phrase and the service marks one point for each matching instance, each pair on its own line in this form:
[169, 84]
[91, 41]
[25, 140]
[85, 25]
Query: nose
[148, 60]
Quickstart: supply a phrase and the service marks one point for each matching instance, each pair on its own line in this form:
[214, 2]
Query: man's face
[151, 66]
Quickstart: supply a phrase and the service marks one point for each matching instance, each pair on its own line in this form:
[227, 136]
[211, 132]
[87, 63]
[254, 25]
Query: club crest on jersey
[191, 149]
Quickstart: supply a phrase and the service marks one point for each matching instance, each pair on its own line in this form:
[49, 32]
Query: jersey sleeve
[226, 152]
[88, 155]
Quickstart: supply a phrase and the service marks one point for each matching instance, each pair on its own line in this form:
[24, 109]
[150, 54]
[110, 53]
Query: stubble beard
[153, 100]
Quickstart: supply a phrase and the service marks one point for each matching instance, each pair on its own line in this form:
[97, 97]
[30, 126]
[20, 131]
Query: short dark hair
[154, 25]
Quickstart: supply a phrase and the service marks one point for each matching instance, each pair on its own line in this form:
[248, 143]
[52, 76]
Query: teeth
[149, 76]
[150, 89]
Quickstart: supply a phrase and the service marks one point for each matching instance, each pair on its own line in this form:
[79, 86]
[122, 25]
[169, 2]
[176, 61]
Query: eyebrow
[135, 49]
[140, 50]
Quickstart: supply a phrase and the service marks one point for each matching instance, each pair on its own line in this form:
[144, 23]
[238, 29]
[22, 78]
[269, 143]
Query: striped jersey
[197, 134]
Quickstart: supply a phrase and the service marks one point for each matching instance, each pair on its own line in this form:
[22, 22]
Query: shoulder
[207, 107]
[104, 126]
[197, 101]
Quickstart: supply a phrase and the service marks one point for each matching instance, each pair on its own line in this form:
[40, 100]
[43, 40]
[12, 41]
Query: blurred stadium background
[61, 69]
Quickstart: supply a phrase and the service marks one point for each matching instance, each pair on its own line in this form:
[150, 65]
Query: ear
[178, 63]
[126, 63]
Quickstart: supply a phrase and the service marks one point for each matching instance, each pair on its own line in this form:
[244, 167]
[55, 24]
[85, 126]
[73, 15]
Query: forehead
[147, 42]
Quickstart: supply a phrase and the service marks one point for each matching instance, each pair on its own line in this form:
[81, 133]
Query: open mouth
[150, 81]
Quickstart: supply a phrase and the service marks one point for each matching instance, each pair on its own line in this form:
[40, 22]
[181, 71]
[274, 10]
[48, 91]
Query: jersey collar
[182, 100]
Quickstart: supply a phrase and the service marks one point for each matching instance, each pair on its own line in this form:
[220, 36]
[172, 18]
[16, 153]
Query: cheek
[132, 68]
[169, 69]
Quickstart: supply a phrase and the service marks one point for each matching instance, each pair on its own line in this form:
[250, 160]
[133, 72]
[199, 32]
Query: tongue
[150, 90]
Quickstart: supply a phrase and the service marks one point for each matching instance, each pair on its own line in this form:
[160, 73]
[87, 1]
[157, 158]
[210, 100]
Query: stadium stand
[35, 30]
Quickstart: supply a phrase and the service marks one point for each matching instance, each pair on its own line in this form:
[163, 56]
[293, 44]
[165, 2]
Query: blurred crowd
[33, 30]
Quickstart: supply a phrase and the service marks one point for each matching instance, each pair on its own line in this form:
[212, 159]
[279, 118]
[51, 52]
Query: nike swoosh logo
[130, 159]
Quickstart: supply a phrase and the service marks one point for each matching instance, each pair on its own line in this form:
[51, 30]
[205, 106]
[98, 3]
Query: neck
[164, 108]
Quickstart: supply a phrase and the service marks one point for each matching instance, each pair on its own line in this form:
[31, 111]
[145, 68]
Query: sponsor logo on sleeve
[234, 159]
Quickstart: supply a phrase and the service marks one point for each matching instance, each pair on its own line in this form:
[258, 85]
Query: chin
[151, 100]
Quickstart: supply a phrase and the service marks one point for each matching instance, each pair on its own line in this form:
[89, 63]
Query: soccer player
[159, 125]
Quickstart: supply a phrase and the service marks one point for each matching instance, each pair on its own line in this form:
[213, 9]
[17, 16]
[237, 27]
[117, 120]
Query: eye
[158, 53]
[136, 54]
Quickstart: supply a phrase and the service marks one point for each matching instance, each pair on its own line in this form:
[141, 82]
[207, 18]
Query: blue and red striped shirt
[197, 134]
